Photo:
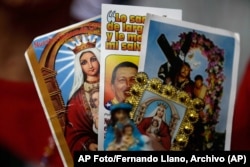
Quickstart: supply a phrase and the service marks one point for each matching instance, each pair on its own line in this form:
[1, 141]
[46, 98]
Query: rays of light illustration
[83, 38]
[70, 46]
[76, 41]
[66, 78]
[90, 38]
[69, 65]
[71, 58]
[65, 52]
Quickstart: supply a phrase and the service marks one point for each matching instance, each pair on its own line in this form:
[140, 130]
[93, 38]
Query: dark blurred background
[23, 127]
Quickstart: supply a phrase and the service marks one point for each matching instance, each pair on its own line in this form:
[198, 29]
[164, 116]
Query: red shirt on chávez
[24, 128]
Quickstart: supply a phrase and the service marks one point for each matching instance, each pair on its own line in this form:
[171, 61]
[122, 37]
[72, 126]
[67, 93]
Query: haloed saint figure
[82, 108]
[156, 128]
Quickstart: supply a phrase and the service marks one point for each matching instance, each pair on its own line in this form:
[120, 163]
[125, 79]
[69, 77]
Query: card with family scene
[122, 28]
[201, 61]
[65, 66]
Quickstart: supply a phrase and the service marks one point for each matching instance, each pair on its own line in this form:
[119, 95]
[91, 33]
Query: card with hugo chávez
[122, 29]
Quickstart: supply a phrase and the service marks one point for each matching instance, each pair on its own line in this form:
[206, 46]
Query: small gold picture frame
[179, 115]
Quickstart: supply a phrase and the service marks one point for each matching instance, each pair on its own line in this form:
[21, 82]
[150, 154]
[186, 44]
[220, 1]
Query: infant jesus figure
[153, 129]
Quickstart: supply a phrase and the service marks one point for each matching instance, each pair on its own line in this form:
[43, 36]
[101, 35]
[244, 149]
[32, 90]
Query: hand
[151, 135]
[93, 147]
[158, 138]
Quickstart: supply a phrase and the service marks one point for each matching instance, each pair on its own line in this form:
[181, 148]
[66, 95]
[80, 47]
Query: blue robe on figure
[117, 140]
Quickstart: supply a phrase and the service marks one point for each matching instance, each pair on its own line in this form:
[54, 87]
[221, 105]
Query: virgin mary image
[79, 131]
[156, 128]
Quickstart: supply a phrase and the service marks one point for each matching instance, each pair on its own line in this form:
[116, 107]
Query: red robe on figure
[164, 133]
[79, 130]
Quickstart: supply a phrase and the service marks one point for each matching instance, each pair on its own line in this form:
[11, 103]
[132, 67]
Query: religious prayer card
[65, 68]
[122, 29]
[201, 61]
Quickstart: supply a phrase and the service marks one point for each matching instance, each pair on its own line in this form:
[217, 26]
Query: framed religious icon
[164, 115]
